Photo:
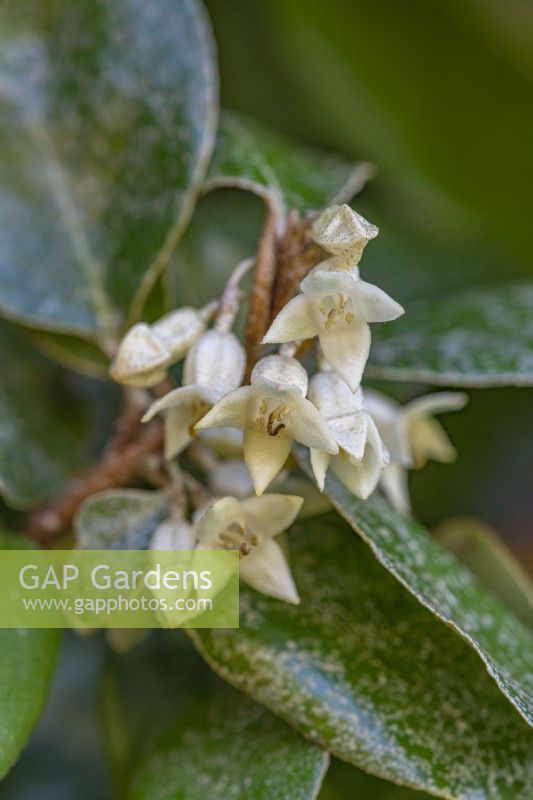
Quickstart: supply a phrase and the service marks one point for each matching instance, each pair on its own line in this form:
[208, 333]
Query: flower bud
[280, 375]
[142, 358]
[216, 363]
[333, 398]
[179, 330]
[173, 535]
[342, 232]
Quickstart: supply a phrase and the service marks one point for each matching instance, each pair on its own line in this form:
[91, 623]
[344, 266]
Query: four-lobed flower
[412, 437]
[336, 306]
[362, 457]
[274, 412]
[250, 526]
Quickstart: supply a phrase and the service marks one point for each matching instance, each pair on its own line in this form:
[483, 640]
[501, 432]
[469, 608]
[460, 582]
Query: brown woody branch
[117, 467]
[263, 281]
[297, 255]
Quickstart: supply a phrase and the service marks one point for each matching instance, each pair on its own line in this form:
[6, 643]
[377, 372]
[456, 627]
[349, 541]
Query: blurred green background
[439, 96]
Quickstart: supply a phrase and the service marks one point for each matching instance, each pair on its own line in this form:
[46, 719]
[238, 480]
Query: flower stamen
[334, 309]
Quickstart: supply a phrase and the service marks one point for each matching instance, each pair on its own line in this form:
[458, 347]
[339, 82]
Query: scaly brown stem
[261, 293]
[116, 468]
[297, 255]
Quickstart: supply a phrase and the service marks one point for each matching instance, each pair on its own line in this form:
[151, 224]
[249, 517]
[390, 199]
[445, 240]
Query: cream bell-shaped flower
[337, 307]
[214, 366]
[412, 437]
[273, 412]
[179, 329]
[361, 457]
[250, 526]
[342, 232]
[142, 359]
[174, 534]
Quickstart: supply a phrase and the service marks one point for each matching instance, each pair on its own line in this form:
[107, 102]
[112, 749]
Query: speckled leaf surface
[27, 661]
[250, 156]
[449, 590]
[108, 112]
[361, 668]
[44, 430]
[479, 337]
[119, 519]
[189, 736]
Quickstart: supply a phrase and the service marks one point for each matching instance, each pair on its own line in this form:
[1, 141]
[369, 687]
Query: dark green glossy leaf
[230, 749]
[64, 758]
[363, 669]
[194, 737]
[447, 589]
[480, 548]
[44, 430]
[250, 156]
[27, 661]
[107, 124]
[480, 337]
[119, 519]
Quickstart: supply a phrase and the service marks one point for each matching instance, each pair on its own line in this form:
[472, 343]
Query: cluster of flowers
[364, 438]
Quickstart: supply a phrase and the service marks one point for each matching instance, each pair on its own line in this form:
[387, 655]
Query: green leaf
[227, 224]
[480, 548]
[107, 125]
[231, 749]
[27, 661]
[364, 670]
[224, 230]
[479, 337]
[251, 156]
[119, 519]
[73, 352]
[44, 430]
[437, 580]
[195, 737]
